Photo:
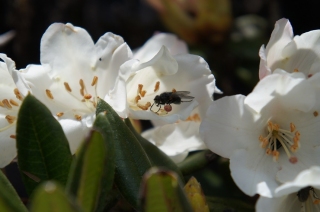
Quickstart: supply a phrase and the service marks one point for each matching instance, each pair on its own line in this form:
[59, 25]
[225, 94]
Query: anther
[157, 86]
[144, 107]
[295, 70]
[293, 160]
[143, 93]
[87, 96]
[18, 94]
[13, 136]
[137, 99]
[315, 113]
[78, 117]
[140, 86]
[14, 103]
[94, 81]
[10, 119]
[174, 90]
[67, 87]
[1, 104]
[6, 103]
[49, 94]
[60, 114]
[81, 83]
[292, 127]
[82, 91]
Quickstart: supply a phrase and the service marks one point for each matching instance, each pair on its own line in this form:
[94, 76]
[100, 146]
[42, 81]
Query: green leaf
[156, 156]
[92, 172]
[9, 199]
[217, 204]
[50, 197]
[161, 191]
[43, 149]
[131, 160]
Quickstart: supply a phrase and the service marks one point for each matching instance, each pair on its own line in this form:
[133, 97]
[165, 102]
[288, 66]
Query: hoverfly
[167, 98]
[303, 194]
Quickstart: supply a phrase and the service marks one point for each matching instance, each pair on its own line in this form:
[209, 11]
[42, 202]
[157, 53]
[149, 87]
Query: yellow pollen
[78, 117]
[60, 114]
[67, 87]
[315, 113]
[94, 81]
[10, 119]
[288, 140]
[49, 94]
[87, 96]
[157, 86]
[13, 136]
[6, 103]
[144, 107]
[295, 70]
[137, 99]
[174, 90]
[14, 103]
[195, 117]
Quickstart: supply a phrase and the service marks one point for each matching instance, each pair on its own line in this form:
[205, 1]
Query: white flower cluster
[271, 136]
[75, 72]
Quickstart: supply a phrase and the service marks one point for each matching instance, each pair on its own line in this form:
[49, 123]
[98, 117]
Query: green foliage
[50, 197]
[161, 191]
[131, 161]
[9, 199]
[92, 172]
[43, 149]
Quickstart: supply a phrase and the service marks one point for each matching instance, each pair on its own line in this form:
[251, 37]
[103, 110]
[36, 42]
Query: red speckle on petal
[293, 160]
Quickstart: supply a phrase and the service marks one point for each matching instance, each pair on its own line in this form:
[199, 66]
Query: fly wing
[184, 94]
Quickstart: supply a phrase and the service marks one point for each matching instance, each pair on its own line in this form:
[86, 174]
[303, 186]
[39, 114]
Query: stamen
[18, 94]
[87, 96]
[140, 86]
[10, 119]
[195, 117]
[295, 70]
[315, 113]
[67, 87]
[292, 127]
[1, 104]
[60, 114]
[81, 84]
[78, 117]
[82, 91]
[174, 90]
[157, 86]
[143, 93]
[6, 104]
[137, 99]
[144, 107]
[49, 94]
[94, 81]
[14, 103]
[13, 136]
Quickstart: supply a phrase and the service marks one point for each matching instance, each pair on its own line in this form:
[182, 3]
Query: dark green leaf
[43, 149]
[130, 159]
[9, 199]
[161, 191]
[217, 204]
[156, 156]
[50, 197]
[92, 173]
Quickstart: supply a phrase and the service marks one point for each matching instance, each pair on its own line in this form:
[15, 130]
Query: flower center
[306, 198]
[90, 100]
[12, 107]
[277, 138]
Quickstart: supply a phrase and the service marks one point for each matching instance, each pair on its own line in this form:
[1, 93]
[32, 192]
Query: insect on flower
[167, 98]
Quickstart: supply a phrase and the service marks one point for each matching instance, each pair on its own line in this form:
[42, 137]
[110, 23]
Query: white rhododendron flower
[74, 73]
[301, 194]
[177, 139]
[10, 101]
[292, 54]
[153, 74]
[270, 135]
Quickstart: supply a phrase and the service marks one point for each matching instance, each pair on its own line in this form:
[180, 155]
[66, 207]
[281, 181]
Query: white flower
[177, 139]
[6, 37]
[270, 135]
[301, 194]
[292, 54]
[74, 73]
[146, 78]
[10, 101]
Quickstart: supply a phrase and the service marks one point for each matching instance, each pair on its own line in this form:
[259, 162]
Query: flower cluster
[75, 72]
[271, 136]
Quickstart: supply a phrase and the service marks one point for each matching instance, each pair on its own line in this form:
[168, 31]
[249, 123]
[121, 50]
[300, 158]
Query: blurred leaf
[9, 199]
[156, 156]
[50, 197]
[195, 195]
[131, 160]
[92, 173]
[217, 204]
[162, 192]
[43, 149]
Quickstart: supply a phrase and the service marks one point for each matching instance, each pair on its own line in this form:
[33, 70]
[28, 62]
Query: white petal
[8, 149]
[230, 125]
[285, 203]
[154, 44]
[264, 70]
